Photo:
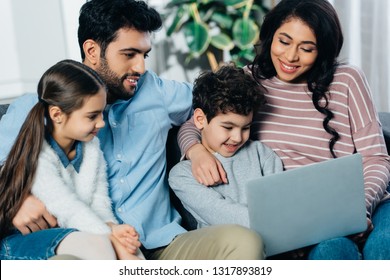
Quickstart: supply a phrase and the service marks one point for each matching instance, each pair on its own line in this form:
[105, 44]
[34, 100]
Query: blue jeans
[377, 246]
[39, 245]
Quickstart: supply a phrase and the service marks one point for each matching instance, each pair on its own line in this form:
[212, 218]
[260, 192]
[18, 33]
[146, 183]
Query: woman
[317, 110]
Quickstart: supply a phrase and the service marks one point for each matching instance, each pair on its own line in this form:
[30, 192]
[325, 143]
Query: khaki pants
[222, 242]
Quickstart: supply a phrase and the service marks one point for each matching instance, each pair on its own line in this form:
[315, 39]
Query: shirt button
[114, 124]
[120, 210]
[122, 181]
[119, 156]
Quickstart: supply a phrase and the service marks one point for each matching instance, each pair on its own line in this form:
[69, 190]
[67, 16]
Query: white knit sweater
[77, 200]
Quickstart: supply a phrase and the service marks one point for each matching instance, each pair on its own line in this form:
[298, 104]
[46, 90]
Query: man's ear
[200, 118]
[56, 114]
[92, 52]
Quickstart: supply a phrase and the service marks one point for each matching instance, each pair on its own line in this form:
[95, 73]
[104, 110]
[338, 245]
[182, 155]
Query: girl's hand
[122, 253]
[127, 236]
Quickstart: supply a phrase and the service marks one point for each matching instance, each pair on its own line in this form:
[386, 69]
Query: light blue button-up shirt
[133, 141]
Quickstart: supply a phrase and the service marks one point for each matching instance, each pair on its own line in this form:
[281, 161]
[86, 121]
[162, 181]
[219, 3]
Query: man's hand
[33, 216]
[206, 169]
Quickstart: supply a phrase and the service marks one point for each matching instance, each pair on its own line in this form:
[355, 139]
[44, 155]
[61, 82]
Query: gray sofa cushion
[384, 118]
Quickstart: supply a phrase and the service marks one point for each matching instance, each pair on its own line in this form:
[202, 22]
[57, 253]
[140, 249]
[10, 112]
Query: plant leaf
[224, 21]
[222, 42]
[245, 33]
[233, 2]
[197, 37]
[174, 3]
[180, 17]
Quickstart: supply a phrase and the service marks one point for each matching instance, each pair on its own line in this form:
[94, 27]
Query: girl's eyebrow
[94, 112]
[303, 42]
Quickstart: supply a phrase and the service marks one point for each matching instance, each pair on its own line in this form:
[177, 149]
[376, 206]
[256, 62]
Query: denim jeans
[377, 246]
[39, 245]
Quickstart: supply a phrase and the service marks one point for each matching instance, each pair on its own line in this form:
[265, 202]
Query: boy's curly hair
[229, 89]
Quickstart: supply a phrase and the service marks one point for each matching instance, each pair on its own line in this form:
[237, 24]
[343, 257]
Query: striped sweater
[292, 127]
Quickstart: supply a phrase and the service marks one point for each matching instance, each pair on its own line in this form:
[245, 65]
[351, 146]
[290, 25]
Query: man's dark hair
[100, 20]
[229, 89]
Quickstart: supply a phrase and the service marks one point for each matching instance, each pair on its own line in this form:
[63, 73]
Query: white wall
[38, 33]
[35, 35]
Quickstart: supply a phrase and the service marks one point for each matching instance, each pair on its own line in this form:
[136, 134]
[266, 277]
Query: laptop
[304, 206]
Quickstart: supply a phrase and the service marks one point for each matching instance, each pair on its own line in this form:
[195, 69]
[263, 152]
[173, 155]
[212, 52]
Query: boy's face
[225, 133]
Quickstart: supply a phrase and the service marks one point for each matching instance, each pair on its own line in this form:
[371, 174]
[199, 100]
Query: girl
[316, 110]
[57, 158]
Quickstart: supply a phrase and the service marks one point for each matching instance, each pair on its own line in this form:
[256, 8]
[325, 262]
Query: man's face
[124, 62]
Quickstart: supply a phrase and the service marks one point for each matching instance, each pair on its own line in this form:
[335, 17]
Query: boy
[224, 103]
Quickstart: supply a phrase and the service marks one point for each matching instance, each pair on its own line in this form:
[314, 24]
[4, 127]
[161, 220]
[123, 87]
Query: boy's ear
[56, 114]
[199, 118]
[92, 52]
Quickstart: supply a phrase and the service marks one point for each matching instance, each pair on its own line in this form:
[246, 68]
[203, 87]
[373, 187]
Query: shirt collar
[76, 162]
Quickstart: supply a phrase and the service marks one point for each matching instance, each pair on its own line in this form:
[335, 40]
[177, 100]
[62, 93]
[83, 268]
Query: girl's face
[293, 51]
[82, 124]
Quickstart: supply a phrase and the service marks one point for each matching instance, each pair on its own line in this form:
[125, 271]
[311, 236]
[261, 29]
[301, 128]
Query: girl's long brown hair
[65, 85]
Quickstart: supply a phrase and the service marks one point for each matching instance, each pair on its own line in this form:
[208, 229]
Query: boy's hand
[33, 216]
[206, 169]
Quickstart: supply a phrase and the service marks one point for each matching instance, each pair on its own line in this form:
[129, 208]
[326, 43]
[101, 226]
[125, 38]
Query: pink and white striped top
[292, 127]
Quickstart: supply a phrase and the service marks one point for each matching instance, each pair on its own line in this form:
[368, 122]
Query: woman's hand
[206, 169]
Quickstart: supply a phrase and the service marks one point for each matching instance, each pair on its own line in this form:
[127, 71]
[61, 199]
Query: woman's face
[293, 50]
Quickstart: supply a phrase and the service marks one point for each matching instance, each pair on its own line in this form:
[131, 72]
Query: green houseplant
[223, 30]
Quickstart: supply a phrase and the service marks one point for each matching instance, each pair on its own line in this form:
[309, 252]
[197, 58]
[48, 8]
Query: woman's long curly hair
[322, 19]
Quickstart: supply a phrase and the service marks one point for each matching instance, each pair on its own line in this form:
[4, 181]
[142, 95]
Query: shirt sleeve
[177, 98]
[188, 136]
[368, 139]
[12, 121]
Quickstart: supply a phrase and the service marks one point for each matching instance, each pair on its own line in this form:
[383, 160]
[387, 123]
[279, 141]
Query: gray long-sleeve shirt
[226, 203]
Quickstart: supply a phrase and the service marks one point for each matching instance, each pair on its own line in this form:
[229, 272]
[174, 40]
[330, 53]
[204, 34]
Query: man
[115, 39]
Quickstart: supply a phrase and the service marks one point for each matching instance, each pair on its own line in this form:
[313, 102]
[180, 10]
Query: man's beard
[114, 83]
